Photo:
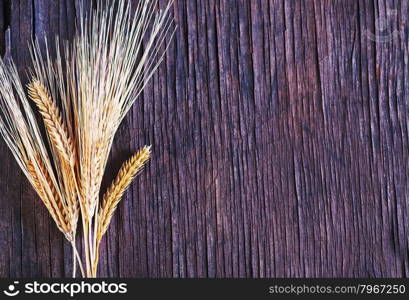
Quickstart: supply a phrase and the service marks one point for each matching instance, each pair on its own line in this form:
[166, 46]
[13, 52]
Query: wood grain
[280, 146]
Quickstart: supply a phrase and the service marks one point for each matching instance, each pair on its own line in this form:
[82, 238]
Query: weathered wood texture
[280, 146]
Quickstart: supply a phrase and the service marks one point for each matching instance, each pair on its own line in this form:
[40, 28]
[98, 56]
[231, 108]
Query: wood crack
[5, 8]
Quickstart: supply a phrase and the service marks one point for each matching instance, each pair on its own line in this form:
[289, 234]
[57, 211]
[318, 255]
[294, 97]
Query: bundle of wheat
[96, 78]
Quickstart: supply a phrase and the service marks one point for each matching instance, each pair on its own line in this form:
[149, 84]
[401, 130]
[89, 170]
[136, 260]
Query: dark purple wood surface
[280, 146]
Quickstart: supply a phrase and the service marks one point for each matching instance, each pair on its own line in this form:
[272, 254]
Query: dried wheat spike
[52, 120]
[52, 202]
[114, 194]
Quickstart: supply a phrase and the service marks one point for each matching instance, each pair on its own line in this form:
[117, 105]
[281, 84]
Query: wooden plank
[2, 27]
[280, 146]
[5, 205]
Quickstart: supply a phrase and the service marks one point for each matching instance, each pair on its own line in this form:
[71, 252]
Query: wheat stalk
[96, 78]
[114, 195]
[19, 128]
[61, 141]
[21, 133]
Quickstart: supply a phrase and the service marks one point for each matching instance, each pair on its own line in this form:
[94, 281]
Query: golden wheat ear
[52, 120]
[48, 194]
[122, 181]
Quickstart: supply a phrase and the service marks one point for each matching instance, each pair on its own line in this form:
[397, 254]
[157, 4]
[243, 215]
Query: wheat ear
[52, 120]
[114, 195]
[122, 181]
[51, 199]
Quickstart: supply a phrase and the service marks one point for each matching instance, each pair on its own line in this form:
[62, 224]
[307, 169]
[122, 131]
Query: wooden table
[280, 146]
